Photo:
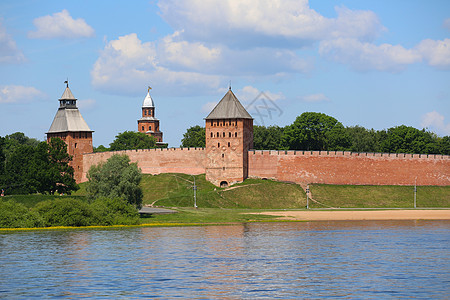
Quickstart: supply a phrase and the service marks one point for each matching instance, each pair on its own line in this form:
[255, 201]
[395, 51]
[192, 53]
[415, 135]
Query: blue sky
[376, 64]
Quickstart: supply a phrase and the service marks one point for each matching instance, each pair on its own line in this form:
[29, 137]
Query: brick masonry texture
[299, 166]
[155, 161]
[350, 168]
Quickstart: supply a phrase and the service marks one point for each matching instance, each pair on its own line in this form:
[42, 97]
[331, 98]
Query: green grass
[175, 190]
[207, 216]
[355, 196]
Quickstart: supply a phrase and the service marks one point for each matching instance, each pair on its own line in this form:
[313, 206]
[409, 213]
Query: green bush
[16, 215]
[66, 212]
[115, 212]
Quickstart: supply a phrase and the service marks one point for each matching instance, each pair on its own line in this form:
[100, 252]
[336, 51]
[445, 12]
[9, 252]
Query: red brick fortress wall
[339, 167]
[155, 161]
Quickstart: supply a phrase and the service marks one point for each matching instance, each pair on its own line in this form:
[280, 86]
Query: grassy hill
[176, 190]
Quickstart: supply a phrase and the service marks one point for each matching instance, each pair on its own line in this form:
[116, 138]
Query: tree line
[313, 131]
[30, 166]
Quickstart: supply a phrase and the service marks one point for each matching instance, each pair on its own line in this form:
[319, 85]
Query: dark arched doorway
[223, 184]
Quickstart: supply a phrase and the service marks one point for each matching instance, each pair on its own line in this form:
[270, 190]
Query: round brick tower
[229, 136]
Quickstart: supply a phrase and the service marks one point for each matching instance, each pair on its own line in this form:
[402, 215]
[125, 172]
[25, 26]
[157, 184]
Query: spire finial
[149, 88]
[67, 82]
[229, 86]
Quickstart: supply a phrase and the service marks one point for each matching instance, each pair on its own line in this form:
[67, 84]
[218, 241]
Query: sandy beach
[439, 214]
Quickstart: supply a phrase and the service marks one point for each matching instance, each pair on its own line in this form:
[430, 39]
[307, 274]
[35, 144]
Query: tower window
[218, 145]
[145, 112]
[223, 155]
[223, 134]
[235, 134]
[229, 134]
[217, 134]
[142, 128]
[212, 134]
[228, 144]
[150, 128]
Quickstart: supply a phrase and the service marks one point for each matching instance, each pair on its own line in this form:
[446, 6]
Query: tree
[309, 132]
[361, 139]
[406, 139]
[101, 148]
[194, 137]
[60, 174]
[267, 138]
[131, 140]
[117, 178]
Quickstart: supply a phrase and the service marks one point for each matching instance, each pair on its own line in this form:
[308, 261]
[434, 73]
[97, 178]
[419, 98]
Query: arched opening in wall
[223, 184]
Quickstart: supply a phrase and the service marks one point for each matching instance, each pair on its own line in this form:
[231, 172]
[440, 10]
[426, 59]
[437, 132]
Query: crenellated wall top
[349, 154]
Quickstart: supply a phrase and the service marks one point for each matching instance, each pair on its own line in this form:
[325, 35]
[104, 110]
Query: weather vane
[67, 82]
[149, 88]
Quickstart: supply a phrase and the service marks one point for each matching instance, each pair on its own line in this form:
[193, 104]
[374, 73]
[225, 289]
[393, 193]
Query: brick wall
[155, 161]
[350, 168]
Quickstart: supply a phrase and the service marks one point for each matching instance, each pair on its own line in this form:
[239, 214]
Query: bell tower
[229, 136]
[70, 126]
[148, 124]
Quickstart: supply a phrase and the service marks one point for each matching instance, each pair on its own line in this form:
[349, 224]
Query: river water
[357, 259]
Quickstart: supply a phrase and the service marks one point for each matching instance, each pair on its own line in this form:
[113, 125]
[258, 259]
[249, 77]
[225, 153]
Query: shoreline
[361, 215]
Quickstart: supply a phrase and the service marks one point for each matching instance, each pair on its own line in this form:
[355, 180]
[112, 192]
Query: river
[346, 259]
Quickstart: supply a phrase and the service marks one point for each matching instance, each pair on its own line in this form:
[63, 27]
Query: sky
[373, 63]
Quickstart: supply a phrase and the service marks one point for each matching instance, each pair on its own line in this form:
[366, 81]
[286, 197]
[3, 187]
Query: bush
[17, 215]
[115, 212]
[66, 212]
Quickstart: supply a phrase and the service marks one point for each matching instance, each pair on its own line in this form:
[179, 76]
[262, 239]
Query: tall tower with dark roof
[148, 124]
[70, 126]
[229, 136]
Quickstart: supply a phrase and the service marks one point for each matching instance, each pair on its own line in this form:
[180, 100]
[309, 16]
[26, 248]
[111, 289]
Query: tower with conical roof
[229, 136]
[70, 126]
[148, 124]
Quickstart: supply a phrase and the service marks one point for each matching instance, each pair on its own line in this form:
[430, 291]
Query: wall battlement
[350, 154]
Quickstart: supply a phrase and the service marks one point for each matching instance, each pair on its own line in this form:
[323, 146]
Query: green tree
[444, 145]
[310, 131]
[267, 138]
[406, 139]
[361, 139]
[60, 175]
[101, 148]
[116, 178]
[194, 137]
[131, 140]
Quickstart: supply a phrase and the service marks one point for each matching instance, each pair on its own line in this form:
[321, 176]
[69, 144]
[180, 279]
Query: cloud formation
[435, 121]
[265, 23]
[19, 94]
[60, 25]
[9, 53]
[268, 39]
[127, 64]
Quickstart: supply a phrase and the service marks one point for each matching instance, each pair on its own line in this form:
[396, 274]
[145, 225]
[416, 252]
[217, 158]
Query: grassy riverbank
[238, 203]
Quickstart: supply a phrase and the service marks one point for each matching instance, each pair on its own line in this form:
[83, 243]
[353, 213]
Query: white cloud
[315, 98]
[60, 25]
[435, 121]
[249, 93]
[127, 64]
[265, 23]
[446, 24]
[362, 56]
[436, 53]
[9, 53]
[19, 94]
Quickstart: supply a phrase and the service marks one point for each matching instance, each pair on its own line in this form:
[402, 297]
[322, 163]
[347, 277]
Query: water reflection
[356, 259]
